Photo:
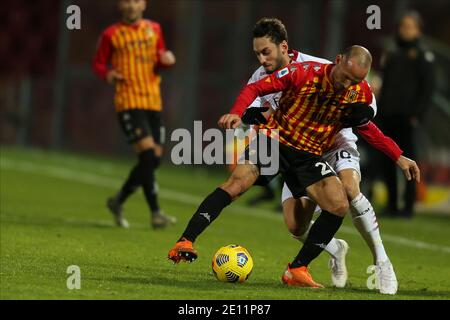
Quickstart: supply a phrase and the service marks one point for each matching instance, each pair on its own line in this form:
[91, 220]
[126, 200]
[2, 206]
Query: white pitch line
[107, 182]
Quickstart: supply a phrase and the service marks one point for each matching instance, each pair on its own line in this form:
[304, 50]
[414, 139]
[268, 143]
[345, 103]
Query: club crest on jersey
[351, 95]
[282, 72]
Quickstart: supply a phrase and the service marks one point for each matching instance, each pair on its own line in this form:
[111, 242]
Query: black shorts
[138, 124]
[299, 169]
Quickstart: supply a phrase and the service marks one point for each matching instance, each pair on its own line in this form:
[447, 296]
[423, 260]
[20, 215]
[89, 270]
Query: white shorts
[344, 157]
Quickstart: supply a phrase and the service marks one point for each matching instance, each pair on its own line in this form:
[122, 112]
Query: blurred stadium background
[50, 98]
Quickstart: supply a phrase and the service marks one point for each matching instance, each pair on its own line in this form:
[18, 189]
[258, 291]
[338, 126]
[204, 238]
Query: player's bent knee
[340, 207]
[351, 189]
[336, 206]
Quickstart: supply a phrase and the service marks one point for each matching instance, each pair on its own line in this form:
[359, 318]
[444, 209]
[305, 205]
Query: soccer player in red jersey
[307, 119]
[314, 96]
[128, 56]
[270, 42]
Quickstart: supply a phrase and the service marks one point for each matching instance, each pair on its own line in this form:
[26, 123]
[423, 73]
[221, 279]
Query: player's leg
[326, 190]
[149, 154]
[240, 180]
[133, 125]
[365, 221]
[142, 128]
[298, 218]
[157, 138]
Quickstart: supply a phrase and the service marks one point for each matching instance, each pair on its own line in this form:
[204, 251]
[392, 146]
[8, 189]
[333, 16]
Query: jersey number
[324, 167]
[344, 154]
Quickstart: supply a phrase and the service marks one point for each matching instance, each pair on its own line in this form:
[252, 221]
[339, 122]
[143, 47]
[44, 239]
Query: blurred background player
[135, 48]
[408, 82]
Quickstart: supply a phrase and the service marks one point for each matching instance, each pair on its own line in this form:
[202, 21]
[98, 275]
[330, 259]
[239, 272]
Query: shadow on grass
[202, 282]
[199, 281]
[29, 220]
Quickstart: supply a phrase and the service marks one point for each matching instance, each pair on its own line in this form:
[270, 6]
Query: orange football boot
[183, 251]
[299, 277]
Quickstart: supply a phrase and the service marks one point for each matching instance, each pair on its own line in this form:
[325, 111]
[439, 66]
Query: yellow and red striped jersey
[133, 50]
[309, 110]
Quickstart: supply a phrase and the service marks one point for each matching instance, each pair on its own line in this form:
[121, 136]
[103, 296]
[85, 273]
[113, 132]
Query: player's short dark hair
[272, 28]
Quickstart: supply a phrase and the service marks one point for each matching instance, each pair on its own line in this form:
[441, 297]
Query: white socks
[365, 221]
[332, 246]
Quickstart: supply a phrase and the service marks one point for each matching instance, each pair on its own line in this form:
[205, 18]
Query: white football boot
[337, 265]
[386, 277]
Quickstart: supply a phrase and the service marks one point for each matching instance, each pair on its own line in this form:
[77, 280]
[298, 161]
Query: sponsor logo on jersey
[282, 72]
[305, 66]
[316, 67]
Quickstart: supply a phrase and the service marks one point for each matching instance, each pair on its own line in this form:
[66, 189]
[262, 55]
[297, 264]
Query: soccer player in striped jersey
[313, 100]
[128, 56]
[342, 156]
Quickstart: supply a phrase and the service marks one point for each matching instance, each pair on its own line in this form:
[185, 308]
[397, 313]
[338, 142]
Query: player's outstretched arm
[252, 115]
[376, 138]
[278, 81]
[373, 135]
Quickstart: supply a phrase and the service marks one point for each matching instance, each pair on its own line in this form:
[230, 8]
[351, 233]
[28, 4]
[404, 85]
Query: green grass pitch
[53, 215]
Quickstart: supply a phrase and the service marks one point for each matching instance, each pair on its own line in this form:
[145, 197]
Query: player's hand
[113, 75]
[254, 115]
[229, 121]
[409, 168]
[167, 58]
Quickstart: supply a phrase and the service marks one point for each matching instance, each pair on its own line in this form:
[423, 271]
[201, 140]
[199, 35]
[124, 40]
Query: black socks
[320, 234]
[147, 162]
[206, 213]
[143, 174]
[132, 183]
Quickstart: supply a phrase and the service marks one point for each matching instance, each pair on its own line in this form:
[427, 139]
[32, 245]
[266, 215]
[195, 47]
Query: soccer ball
[232, 263]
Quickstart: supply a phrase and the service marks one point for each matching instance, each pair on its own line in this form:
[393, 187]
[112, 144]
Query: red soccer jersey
[309, 109]
[134, 51]
[379, 141]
